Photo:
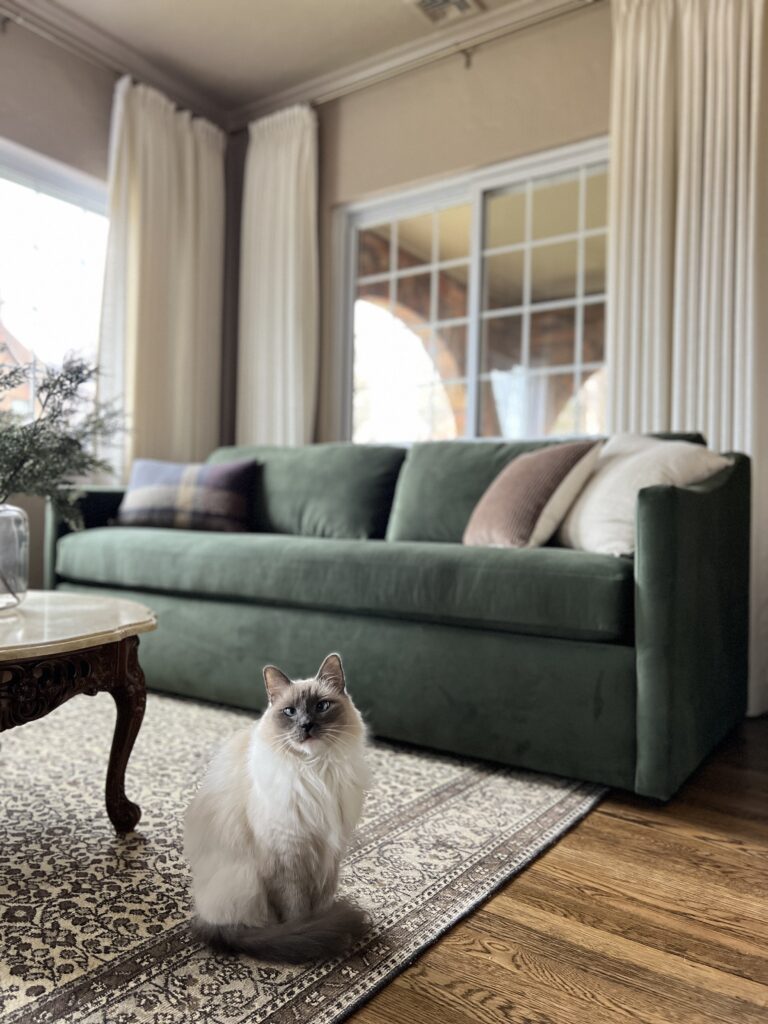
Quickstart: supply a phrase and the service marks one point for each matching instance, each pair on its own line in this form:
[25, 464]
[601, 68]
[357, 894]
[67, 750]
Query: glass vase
[14, 556]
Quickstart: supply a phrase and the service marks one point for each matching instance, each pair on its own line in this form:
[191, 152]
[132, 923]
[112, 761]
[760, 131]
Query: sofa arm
[691, 623]
[98, 505]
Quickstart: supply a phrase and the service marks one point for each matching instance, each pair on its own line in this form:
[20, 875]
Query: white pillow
[602, 519]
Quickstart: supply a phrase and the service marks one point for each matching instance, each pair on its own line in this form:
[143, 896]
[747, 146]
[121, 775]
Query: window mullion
[578, 312]
[473, 334]
[527, 285]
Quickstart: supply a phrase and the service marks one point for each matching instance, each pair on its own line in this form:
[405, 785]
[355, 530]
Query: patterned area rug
[94, 927]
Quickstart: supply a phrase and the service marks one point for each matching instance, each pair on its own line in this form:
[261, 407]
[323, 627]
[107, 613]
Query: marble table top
[54, 622]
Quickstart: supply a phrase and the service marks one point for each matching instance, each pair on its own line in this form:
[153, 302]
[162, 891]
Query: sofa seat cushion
[542, 591]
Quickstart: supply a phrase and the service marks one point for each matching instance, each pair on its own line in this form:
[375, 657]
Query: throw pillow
[603, 517]
[529, 498]
[195, 496]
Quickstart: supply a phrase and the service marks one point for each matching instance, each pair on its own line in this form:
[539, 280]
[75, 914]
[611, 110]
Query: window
[479, 306]
[53, 235]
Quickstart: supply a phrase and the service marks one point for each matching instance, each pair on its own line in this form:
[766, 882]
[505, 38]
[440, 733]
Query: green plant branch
[47, 454]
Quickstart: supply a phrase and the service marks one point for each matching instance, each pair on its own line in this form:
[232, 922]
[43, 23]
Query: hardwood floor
[643, 912]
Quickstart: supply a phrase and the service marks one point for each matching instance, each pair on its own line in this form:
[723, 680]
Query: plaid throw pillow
[197, 496]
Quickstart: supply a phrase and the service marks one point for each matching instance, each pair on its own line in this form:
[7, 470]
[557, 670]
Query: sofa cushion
[541, 591]
[442, 481]
[322, 490]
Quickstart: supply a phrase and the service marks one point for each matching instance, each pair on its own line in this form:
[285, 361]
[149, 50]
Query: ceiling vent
[447, 10]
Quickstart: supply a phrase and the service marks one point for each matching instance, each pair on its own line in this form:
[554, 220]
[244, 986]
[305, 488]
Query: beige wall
[53, 102]
[545, 86]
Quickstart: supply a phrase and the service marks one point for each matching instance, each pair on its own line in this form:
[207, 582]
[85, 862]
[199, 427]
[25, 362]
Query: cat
[265, 833]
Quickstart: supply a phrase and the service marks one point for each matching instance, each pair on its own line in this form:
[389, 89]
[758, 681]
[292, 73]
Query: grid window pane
[414, 296]
[450, 351]
[452, 292]
[505, 219]
[414, 241]
[553, 338]
[597, 200]
[374, 291]
[594, 265]
[503, 280]
[555, 208]
[592, 401]
[502, 343]
[393, 366]
[553, 272]
[373, 249]
[449, 411]
[551, 405]
[453, 231]
[594, 333]
[503, 405]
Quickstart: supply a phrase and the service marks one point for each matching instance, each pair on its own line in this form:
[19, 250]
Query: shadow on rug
[94, 927]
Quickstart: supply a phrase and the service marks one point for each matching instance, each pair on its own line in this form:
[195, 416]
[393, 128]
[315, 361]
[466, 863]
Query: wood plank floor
[643, 912]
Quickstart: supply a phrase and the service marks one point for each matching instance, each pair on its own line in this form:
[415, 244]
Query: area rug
[94, 927]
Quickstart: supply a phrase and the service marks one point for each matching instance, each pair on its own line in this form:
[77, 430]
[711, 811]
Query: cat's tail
[326, 934]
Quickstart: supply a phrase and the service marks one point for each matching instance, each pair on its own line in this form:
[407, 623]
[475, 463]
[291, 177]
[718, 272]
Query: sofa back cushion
[442, 481]
[322, 490]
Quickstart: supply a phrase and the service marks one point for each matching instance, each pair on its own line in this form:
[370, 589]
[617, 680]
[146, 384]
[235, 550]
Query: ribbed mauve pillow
[530, 497]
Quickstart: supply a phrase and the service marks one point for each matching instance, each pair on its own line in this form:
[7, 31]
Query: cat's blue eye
[290, 712]
[323, 705]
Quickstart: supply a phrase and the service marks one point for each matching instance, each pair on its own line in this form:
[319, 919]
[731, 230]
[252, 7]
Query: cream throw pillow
[602, 519]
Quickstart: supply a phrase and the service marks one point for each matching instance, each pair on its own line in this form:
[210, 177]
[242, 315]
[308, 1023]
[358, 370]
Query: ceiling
[239, 51]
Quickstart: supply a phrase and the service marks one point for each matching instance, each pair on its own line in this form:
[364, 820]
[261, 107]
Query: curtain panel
[160, 343]
[687, 259]
[278, 333]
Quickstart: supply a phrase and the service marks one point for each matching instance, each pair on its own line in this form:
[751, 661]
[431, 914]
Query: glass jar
[14, 556]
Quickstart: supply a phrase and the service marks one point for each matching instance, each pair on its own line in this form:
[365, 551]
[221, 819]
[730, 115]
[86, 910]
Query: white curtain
[160, 345]
[278, 339]
[687, 255]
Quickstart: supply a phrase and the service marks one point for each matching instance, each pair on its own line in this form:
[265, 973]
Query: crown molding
[60, 26]
[459, 38]
[83, 39]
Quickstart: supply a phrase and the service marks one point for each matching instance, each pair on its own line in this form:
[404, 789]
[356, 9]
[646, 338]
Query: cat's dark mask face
[308, 714]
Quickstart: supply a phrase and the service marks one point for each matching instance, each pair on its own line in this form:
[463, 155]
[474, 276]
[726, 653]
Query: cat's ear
[331, 672]
[276, 682]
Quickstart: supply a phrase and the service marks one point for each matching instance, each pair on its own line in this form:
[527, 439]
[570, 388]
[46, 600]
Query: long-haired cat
[266, 832]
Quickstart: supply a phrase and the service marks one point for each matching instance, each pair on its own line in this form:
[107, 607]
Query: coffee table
[56, 645]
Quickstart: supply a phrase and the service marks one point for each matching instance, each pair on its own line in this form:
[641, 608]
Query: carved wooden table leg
[61, 644]
[129, 693]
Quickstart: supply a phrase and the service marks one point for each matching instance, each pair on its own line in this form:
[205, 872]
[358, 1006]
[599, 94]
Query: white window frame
[54, 178]
[469, 188]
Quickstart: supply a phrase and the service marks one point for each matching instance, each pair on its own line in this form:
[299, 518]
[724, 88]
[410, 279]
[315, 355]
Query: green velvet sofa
[617, 670]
